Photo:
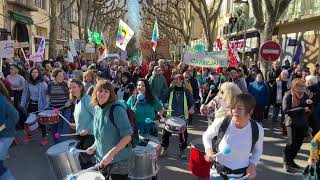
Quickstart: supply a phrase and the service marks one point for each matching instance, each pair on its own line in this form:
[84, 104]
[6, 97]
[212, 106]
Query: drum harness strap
[185, 109]
[224, 171]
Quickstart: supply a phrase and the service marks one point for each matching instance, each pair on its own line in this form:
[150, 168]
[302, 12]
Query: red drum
[49, 117]
[197, 164]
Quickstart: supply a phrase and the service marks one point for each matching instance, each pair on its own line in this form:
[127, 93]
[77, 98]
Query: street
[29, 162]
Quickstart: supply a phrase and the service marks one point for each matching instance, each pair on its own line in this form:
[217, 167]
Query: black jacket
[273, 75]
[273, 94]
[295, 116]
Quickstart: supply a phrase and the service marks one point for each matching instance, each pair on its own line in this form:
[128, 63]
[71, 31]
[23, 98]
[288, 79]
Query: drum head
[62, 147]
[47, 113]
[31, 118]
[91, 176]
[176, 121]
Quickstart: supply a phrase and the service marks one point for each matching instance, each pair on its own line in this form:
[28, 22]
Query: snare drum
[174, 124]
[32, 122]
[91, 175]
[48, 117]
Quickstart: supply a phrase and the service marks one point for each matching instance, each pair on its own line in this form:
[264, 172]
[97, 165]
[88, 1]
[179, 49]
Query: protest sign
[6, 51]
[206, 59]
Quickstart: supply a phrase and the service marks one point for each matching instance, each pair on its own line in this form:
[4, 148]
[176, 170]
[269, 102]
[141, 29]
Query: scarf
[279, 92]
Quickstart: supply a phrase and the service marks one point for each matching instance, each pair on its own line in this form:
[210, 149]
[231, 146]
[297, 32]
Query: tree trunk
[79, 5]
[53, 30]
[266, 35]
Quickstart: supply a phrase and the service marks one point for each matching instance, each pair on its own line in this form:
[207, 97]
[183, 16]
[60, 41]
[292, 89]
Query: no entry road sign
[270, 51]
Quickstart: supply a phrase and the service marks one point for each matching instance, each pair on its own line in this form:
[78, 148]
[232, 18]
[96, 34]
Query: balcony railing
[301, 8]
[238, 26]
[27, 4]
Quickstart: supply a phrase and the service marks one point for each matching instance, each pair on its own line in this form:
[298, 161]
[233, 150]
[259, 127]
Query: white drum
[32, 122]
[62, 161]
[91, 175]
[174, 124]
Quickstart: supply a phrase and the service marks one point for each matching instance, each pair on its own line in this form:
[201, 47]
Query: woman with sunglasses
[296, 106]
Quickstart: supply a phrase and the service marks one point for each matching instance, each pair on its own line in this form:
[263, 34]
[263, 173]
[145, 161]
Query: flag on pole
[89, 35]
[298, 56]
[103, 47]
[233, 55]
[70, 56]
[72, 49]
[38, 56]
[124, 35]
[155, 36]
[94, 37]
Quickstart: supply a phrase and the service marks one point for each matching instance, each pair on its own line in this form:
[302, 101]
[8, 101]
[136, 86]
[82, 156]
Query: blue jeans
[275, 112]
[62, 127]
[5, 174]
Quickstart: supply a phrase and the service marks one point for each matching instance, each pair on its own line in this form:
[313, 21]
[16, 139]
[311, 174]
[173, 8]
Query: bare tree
[171, 34]
[171, 15]
[99, 14]
[267, 18]
[208, 14]
[54, 17]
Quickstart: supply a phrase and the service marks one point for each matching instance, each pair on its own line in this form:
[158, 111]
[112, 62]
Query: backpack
[130, 113]
[224, 126]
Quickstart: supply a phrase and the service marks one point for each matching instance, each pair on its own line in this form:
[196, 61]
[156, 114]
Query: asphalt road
[29, 162]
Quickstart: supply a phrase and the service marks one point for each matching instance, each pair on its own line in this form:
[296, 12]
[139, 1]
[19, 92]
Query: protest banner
[206, 59]
[6, 51]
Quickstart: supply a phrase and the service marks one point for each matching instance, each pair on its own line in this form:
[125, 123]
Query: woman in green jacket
[111, 138]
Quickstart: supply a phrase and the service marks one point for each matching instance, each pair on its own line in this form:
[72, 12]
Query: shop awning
[21, 18]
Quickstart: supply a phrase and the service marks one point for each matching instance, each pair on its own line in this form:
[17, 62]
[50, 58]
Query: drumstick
[66, 120]
[168, 110]
[226, 150]
[72, 176]
[73, 150]
[57, 135]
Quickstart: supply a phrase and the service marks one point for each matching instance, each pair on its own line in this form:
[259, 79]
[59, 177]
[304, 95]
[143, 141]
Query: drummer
[34, 99]
[180, 104]
[145, 108]
[58, 93]
[242, 160]
[83, 116]
[112, 140]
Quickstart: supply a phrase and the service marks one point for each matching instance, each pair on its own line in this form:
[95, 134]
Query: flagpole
[1, 61]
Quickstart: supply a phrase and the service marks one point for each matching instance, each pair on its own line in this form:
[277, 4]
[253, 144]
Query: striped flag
[155, 36]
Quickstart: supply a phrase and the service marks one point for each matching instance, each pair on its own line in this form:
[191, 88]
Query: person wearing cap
[180, 104]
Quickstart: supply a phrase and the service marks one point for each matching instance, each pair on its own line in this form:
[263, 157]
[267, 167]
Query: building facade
[27, 21]
[299, 24]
